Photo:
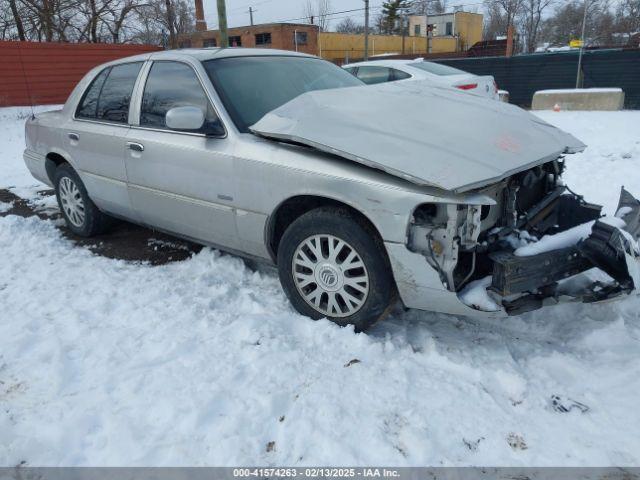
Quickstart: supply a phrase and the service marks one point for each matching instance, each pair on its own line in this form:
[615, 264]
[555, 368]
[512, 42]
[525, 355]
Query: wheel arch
[52, 161]
[294, 207]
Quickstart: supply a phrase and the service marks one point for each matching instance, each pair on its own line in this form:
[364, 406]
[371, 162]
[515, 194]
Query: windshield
[436, 68]
[250, 87]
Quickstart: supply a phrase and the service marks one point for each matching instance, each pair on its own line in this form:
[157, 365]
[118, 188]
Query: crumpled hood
[435, 136]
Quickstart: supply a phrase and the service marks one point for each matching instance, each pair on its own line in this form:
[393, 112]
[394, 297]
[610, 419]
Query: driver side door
[181, 181]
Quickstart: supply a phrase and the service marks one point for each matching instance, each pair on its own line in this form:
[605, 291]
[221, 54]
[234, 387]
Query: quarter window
[174, 84]
[89, 104]
[109, 95]
[373, 75]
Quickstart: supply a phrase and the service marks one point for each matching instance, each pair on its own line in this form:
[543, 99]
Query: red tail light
[469, 86]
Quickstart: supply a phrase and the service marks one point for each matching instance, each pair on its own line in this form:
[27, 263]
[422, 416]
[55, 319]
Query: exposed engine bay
[530, 248]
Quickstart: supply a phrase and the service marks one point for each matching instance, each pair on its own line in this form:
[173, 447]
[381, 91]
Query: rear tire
[80, 213]
[333, 265]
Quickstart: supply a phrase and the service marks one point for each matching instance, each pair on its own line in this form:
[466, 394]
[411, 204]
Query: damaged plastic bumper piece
[527, 283]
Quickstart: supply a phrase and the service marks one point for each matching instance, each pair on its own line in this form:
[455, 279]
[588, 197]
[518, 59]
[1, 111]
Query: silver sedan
[357, 194]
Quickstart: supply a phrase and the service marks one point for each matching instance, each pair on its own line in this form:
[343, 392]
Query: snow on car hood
[436, 136]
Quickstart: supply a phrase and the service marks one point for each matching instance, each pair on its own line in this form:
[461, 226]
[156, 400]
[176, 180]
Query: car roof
[210, 53]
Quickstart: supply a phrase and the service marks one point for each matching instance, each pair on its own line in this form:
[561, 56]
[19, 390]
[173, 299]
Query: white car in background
[381, 71]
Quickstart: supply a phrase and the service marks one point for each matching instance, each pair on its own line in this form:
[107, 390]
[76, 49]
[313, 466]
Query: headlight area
[447, 236]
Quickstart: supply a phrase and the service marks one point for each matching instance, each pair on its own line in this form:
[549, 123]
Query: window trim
[126, 124]
[142, 86]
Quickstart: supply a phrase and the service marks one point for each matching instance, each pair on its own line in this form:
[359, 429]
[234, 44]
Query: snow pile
[204, 362]
[476, 296]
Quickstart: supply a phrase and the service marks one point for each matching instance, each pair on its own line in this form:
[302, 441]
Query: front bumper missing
[521, 284]
[527, 283]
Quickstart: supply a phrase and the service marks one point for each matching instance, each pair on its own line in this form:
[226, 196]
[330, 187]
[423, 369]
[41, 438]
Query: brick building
[284, 36]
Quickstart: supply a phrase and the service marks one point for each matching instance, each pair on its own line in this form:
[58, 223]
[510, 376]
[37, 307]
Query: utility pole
[584, 24]
[251, 15]
[366, 30]
[222, 23]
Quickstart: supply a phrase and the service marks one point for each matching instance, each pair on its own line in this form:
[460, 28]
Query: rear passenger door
[181, 181]
[95, 137]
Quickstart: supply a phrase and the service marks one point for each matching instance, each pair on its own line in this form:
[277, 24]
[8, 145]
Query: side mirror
[184, 118]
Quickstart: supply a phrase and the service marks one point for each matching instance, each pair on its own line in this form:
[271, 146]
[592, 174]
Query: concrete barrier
[579, 99]
[503, 95]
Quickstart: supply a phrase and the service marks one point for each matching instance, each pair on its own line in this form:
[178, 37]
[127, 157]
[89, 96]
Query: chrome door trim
[184, 198]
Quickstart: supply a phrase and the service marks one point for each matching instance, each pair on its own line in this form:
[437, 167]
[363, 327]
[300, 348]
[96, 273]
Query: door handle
[137, 147]
[73, 136]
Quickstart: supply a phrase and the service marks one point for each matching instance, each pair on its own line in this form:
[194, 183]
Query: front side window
[373, 75]
[252, 86]
[263, 39]
[174, 84]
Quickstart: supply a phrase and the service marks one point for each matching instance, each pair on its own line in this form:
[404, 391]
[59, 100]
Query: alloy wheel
[330, 275]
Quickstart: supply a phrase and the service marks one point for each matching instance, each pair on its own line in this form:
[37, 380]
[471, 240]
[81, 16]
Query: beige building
[345, 47]
[463, 28]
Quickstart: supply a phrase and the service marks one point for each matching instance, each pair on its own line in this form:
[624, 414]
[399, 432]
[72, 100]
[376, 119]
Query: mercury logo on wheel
[328, 276]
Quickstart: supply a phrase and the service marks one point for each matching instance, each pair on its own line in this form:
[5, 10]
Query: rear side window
[174, 84]
[109, 95]
[373, 75]
[113, 103]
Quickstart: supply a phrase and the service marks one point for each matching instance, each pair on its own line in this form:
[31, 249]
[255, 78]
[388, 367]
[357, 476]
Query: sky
[268, 11]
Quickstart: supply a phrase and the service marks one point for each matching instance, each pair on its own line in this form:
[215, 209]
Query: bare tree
[532, 16]
[317, 13]
[308, 12]
[348, 25]
[429, 7]
[566, 23]
[628, 17]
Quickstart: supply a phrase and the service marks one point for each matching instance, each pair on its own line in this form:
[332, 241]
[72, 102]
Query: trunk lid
[426, 134]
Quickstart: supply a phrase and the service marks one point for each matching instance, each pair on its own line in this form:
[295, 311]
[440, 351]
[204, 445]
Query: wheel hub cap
[330, 275]
[71, 200]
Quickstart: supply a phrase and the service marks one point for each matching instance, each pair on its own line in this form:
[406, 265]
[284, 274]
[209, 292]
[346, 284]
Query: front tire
[333, 265]
[80, 213]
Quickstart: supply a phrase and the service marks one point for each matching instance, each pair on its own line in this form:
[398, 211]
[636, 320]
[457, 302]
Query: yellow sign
[575, 43]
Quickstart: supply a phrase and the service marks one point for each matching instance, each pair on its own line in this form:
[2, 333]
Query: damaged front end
[539, 244]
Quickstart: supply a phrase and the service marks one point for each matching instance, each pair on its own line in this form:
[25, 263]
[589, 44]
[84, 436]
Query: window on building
[263, 39]
[449, 28]
[174, 84]
[185, 43]
[209, 42]
[416, 30]
[235, 41]
[300, 38]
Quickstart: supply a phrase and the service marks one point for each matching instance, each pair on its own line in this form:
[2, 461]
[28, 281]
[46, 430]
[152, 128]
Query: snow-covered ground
[203, 362]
